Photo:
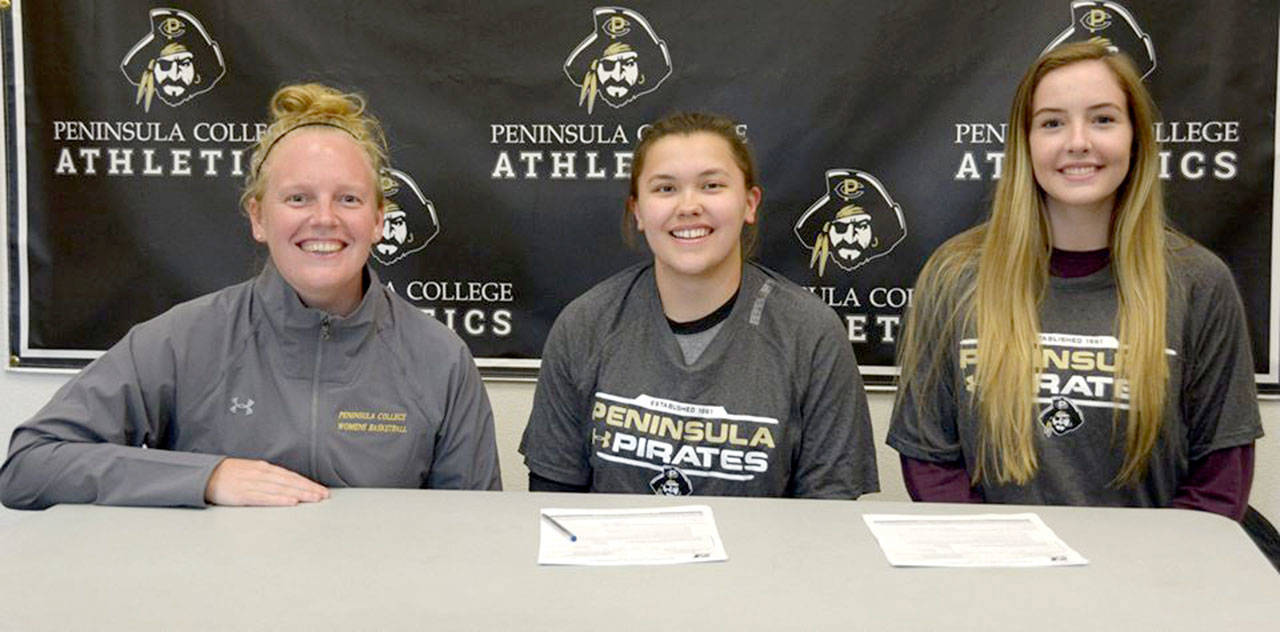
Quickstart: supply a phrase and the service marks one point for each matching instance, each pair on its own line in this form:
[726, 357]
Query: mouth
[321, 246]
[848, 254]
[691, 234]
[1079, 171]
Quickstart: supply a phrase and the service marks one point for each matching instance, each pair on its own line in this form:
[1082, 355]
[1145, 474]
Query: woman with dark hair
[698, 372]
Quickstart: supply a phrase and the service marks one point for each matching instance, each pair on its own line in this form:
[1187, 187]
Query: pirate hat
[1105, 19]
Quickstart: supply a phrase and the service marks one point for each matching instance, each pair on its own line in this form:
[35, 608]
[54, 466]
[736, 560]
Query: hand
[250, 482]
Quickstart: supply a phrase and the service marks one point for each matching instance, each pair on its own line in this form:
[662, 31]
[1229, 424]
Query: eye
[295, 199]
[713, 185]
[663, 188]
[350, 199]
[1050, 123]
[1104, 119]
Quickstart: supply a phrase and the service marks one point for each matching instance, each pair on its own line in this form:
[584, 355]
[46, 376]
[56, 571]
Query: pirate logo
[176, 61]
[1060, 417]
[619, 61]
[671, 482]
[855, 222]
[1108, 20]
[410, 221]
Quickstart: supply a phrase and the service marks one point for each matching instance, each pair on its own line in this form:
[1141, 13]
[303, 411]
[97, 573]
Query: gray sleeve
[1221, 404]
[466, 452]
[923, 424]
[837, 457]
[87, 444]
[555, 445]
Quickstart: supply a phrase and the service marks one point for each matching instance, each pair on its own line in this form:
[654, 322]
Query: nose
[326, 214]
[688, 202]
[1078, 139]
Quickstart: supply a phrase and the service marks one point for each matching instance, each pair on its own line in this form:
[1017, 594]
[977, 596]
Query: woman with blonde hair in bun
[1072, 349]
[312, 375]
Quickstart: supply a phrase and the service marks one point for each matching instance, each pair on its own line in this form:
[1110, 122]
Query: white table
[408, 559]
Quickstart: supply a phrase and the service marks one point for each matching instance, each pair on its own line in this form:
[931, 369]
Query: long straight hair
[992, 278]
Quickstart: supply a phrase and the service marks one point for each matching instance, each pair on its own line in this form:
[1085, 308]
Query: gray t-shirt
[774, 406]
[1211, 398]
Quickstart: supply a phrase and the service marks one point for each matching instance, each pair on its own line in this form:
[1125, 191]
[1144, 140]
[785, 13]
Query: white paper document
[995, 540]
[621, 537]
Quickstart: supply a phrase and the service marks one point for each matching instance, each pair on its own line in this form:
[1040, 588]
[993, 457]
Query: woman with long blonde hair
[1072, 349]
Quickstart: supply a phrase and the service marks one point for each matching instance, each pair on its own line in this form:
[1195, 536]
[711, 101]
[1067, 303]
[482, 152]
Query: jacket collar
[281, 304]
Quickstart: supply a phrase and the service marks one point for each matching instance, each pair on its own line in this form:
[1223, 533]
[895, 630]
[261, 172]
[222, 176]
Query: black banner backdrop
[128, 124]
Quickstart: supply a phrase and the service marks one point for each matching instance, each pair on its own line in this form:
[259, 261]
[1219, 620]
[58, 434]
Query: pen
[569, 534]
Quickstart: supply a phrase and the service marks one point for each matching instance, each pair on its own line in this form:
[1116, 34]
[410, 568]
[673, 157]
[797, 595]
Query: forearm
[40, 474]
[1219, 482]
[927, 481]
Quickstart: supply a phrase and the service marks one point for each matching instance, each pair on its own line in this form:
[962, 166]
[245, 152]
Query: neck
[341, 302]
[1080, 227]
[687, 298]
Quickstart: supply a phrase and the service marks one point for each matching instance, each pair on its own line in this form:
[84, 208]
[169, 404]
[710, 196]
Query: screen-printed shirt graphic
[681, 441]
[1077, 373]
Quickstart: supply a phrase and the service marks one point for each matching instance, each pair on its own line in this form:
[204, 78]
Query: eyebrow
[709, 172]
[1105, 104]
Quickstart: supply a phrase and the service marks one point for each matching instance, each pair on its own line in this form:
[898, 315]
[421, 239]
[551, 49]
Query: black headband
[258, 169]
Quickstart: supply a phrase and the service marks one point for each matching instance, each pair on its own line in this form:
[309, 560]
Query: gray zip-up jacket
[386, 397]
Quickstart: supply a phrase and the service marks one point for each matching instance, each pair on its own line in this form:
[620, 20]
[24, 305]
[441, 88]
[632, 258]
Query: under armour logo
[238, 408]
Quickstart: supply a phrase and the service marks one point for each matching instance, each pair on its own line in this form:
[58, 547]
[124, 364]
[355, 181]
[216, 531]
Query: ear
[631, 208]
[754, 195]
[381, 213]
[254, 209]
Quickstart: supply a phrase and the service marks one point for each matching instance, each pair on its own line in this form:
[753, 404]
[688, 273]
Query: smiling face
[318, 216]
[1080, 138]
[691, 204]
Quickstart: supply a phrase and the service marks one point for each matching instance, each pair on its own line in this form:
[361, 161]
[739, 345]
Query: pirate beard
[172, 89]
[615, 89]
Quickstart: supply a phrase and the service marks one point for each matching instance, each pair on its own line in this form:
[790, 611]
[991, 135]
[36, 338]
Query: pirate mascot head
[1060, 417]
[1108, 20]
[855, 222]
[671, 482]
[175, 61]
[621, 60]
[410, 221]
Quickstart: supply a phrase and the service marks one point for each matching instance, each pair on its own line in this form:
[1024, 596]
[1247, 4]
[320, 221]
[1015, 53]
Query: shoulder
[954, 264]
[785, 300]
[1194, 265]
[205, 318]
[600, 309]
[416, 335]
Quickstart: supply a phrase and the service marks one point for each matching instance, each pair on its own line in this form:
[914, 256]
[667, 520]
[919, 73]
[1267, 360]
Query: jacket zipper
[315, 392]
